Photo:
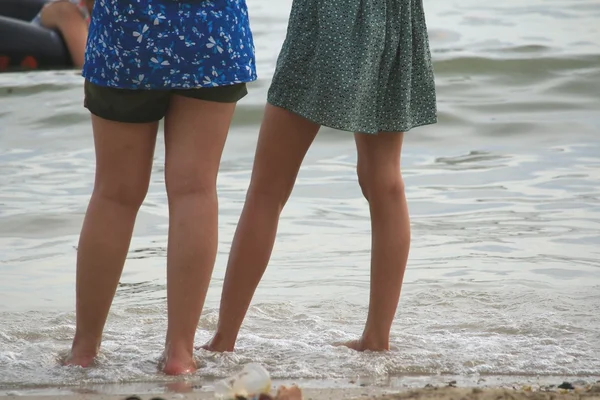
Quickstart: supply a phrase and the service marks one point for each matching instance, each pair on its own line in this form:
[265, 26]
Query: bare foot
[205, 346]
[363, 345]
[177, 367]
[178, 364]
[80, 360]
[291, 393]
[216, 345]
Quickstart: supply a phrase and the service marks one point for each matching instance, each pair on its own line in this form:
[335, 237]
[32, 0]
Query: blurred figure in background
[71, 19]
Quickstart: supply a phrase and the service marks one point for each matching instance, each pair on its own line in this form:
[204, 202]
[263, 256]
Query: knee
[181, 185]
[127, 194]
[380, 184]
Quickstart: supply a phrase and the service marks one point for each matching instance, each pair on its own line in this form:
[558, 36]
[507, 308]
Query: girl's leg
[124, 155]
[282, 144]
[195, 134]
[381, 182]
[66, 18]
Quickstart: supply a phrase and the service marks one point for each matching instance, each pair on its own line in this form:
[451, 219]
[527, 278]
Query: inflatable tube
[25, 10]
[24, 45]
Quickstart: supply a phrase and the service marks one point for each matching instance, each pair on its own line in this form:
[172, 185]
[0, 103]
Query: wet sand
[450, 393]
[588, 392]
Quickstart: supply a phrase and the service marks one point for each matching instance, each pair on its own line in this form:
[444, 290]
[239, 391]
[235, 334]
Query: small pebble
[566, 385]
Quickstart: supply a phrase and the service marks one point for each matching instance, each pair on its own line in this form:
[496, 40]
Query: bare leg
[195, 134]
[66, 18]
[123, 165]
[381, 182]
[283, 142]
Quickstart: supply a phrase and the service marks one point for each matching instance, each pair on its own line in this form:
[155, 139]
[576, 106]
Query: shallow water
[504, 274]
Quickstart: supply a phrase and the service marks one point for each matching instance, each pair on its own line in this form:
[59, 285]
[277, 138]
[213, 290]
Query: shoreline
[404, 388]
[431, 393]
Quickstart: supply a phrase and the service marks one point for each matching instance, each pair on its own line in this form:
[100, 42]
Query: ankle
[178, 357]
[85, 347]
[221, 343]
[375, 341]
[83, 353]
[178, 350]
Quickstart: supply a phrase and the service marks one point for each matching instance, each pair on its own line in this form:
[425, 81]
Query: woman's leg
[282, 144]
[65, 17]
[124, 155]
[195, 134]
[381, 182]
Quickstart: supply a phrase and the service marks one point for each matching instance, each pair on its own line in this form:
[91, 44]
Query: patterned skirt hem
[403, 127]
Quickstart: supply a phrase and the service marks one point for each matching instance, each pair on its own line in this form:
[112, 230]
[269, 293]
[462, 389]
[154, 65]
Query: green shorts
[140, 106]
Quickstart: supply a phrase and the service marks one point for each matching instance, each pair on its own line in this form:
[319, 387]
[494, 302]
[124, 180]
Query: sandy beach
[446, 393]
[587, 392]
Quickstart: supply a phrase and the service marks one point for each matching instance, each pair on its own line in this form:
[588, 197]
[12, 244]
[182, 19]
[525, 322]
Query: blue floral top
[169, 44]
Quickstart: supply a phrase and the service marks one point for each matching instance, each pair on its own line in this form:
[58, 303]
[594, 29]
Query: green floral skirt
[357, 65]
